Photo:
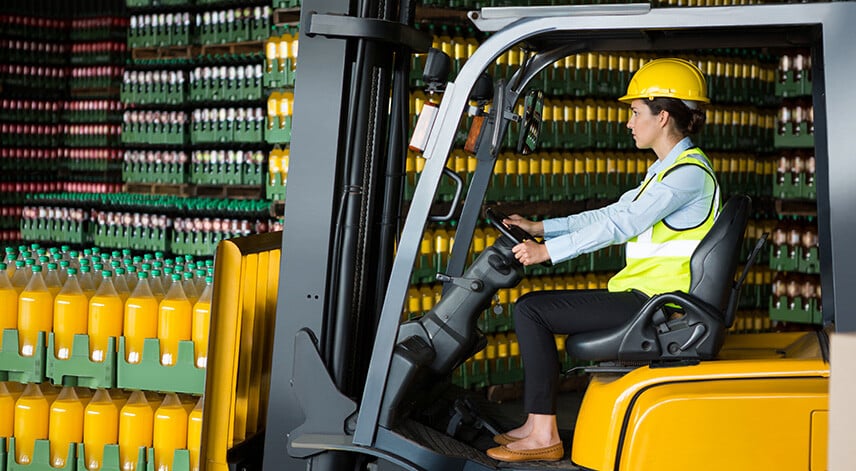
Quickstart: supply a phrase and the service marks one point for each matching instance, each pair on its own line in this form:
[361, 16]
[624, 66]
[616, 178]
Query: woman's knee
[524, 309]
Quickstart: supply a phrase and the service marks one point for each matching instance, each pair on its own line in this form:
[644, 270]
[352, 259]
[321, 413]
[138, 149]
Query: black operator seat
[678, 325]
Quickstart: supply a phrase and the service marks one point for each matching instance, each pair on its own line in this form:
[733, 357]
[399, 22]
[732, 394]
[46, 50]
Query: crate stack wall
[163, 230]
[59, 130]
[796, 295]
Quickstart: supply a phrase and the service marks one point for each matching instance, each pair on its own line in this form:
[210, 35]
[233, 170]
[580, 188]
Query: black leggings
[538, 316]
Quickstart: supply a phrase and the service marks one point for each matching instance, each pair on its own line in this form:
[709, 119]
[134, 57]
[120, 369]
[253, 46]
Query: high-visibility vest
[658, 260]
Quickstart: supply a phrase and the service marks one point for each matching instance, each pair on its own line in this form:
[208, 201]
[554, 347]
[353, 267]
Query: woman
[662, 221]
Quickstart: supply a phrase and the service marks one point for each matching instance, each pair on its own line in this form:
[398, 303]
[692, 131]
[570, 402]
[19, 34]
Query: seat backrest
[714, 262]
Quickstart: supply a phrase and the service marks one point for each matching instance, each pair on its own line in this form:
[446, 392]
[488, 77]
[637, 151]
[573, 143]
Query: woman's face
[643, 124]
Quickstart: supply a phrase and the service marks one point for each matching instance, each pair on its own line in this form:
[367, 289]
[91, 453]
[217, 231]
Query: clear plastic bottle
[64, 265]
[98, 268]
[136, 422]
[71, 315]
[121, 284]
[100, 427]
[131, 277]
[201, 324]
[141, 319]
[66, 425]
[156, 284]
[35, 312]
[52, 279]
[87, 283]
[106, 314]
[189, 286]
[169, 431]
[20, 278]
[174, 321]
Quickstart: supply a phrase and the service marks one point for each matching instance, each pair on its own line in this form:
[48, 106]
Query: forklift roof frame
[825, 27]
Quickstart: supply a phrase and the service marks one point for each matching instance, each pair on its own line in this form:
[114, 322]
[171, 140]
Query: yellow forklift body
[755, 408]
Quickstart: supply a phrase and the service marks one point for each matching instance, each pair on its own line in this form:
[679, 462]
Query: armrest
[685, 302]
[643, 337]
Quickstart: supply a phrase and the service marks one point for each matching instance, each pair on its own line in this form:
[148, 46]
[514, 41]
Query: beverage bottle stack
[72, 417]
[102, 295]
[56, 291]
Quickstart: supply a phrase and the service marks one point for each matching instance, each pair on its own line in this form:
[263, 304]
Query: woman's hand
[535, 228]
[530, 253]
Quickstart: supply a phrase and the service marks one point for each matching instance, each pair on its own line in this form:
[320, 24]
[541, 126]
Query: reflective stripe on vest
[658, 260]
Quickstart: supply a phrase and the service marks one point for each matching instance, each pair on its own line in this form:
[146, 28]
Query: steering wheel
[514, 233]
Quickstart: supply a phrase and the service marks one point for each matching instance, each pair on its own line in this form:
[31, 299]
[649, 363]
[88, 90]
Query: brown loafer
[504, 439]
[550, 453]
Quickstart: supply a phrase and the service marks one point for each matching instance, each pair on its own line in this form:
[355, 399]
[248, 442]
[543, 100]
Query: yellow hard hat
[669, 77]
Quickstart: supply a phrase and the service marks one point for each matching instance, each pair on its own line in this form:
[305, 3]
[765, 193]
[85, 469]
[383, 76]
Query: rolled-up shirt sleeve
[586, 232]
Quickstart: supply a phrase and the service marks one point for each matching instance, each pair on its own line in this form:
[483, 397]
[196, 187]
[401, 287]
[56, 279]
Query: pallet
[202, 191]
[277, 209]
[234, 49]
[286, 16]
[230, 191]
[174, 189]
[164, 52]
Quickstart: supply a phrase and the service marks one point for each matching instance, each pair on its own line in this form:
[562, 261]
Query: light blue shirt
[683, 199]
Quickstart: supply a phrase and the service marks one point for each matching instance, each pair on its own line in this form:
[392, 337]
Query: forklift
[348, 379]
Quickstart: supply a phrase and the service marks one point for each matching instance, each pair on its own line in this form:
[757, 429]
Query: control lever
[466, 283]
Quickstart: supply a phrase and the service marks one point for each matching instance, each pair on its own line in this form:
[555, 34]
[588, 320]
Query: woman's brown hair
[687, 120]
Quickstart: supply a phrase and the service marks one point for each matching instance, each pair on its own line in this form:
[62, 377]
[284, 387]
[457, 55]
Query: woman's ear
[663, 118]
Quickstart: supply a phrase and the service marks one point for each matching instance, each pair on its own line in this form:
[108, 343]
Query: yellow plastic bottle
[174, 321]
[35, 312]
[170, 431]
[100, 427]
[66, 425]
[194, 434]
[8, 304]
[7, 412]
[273, 108]
[106, 313]
[31, 422]
[136, 421]
[71, 315]
[286, 106]
[141, 318]
[201, 323]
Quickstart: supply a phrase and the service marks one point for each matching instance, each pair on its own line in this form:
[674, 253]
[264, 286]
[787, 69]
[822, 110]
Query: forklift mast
[348, 154]
[341, 290]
